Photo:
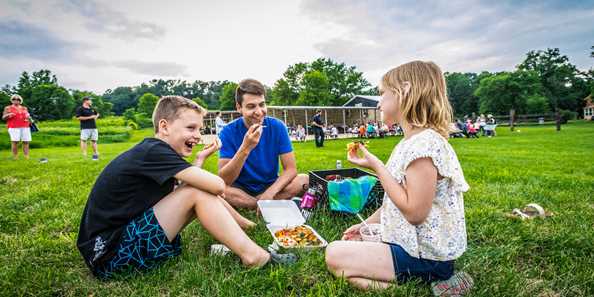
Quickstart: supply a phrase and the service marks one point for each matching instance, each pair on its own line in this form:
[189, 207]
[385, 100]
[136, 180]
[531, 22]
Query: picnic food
[353, 145]
[300, 236]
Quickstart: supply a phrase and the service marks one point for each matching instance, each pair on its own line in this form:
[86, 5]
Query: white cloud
[98, 45]
[458, 35]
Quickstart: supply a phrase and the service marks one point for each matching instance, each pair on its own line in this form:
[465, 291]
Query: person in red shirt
[18, 121]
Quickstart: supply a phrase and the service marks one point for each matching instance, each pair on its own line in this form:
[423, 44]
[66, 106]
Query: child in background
[423, 230]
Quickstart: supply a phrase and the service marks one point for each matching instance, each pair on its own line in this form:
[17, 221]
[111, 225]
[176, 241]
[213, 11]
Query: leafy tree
[343, 82]
[122, 98]
[27, 82]
[200, 102]
[563, 86]
[4, 99]
[147, 103]
[505, 91]
[227, 96]
[282, 94]
[316, 89]
[50, 102]
[461, 88]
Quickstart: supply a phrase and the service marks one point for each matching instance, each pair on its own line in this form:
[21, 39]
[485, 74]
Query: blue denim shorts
[407, 267]
[143, 246]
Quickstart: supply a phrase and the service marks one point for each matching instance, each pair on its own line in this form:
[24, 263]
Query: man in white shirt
[219, 123]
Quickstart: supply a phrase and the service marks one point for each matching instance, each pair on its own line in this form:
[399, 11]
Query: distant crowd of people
[471, 127]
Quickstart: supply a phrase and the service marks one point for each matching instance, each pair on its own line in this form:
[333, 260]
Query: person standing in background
[219, 123]
[88, 128]
[18, 122]
[318, 128]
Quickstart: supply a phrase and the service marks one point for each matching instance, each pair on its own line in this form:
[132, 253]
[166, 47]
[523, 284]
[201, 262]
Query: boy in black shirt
[134, 213]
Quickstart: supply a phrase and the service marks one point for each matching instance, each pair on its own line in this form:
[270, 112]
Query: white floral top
[442, 236]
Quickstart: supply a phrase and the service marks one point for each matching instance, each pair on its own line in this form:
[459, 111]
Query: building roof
[589, 102]
[371, 98]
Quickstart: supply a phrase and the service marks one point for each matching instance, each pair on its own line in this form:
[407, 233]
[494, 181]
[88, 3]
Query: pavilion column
[285, 116]
[326, 118]
[361, 115]
[306, 122]
[344, 120]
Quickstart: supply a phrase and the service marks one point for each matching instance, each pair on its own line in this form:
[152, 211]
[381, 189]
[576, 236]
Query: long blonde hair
[425, 103]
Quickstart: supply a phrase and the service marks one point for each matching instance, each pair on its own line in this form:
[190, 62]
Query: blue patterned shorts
[143, 245]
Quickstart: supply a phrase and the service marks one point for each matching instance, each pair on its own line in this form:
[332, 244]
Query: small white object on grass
[219, 250]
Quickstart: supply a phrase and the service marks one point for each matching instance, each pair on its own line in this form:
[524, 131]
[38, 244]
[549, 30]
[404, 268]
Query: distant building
[589, 108]
[363, 101]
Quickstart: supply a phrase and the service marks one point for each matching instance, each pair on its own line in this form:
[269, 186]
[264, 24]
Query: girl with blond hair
[423, 230]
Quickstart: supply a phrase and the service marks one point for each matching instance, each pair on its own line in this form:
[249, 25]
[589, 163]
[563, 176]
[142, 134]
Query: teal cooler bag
[350, 195]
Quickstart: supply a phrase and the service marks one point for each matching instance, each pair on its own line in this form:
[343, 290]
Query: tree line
[544, 81]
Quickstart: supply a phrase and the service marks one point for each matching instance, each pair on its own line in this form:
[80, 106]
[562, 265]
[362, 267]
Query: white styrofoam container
[281, 214]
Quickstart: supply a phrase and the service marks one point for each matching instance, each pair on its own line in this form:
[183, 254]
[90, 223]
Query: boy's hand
[266, 196]
[207, 151]
[352, 233]
[252, 136]
[367, 160]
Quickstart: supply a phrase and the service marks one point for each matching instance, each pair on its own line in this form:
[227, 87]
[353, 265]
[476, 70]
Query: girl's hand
[207, 151]
[352, 233]
[367, 160]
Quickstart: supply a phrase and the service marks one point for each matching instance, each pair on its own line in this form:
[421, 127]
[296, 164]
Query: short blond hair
[425, 104]
[168, 108]
[16, 96]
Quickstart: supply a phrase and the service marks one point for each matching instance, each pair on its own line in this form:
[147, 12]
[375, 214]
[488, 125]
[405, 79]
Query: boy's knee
[195, 195]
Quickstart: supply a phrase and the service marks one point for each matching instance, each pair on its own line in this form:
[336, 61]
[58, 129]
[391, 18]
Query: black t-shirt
[129, 185]
[81, 111]
[318, 120]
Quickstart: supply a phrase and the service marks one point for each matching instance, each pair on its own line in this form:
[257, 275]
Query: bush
[567, 115]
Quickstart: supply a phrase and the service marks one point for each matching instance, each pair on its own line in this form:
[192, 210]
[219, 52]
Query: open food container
[287, 225]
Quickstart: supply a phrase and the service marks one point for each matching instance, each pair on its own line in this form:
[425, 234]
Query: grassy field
[67, 133]
[41, 205]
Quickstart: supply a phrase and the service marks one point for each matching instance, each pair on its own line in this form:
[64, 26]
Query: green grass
[41, 205]
[67, 133]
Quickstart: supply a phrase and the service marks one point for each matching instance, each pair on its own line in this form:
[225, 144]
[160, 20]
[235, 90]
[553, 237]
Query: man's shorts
[20, 134]
[143, 246]
[250, 192]
[89, 134]
[407, 267]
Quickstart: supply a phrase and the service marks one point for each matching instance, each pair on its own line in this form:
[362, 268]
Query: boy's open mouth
[190, 144]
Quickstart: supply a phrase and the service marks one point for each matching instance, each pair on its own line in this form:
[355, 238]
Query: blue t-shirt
[262, 164]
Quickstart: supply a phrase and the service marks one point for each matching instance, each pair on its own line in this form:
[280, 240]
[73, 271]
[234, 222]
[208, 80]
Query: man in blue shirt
[251, 148]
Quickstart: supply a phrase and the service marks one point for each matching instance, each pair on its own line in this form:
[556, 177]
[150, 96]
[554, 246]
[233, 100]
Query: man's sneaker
[457, 285]
[95, 157]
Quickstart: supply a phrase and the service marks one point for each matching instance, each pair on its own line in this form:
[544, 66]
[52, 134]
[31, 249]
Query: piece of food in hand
[353, 145]
[216, 143]
[299, 236]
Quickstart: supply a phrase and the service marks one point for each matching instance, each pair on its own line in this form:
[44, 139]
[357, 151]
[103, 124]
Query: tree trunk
[557, 119]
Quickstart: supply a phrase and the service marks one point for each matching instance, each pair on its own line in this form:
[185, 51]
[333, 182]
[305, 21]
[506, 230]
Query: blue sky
[95, 45]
